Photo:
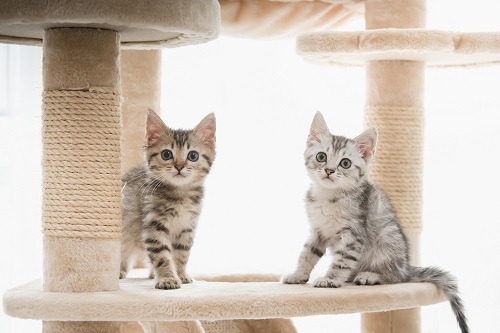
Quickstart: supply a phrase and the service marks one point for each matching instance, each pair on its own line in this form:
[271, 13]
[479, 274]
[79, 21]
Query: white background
[264, 97]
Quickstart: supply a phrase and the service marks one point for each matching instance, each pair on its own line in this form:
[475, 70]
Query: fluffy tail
[448, 285]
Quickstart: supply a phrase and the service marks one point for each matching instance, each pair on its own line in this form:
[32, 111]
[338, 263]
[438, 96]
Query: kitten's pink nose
[179, 167]
[329, 171]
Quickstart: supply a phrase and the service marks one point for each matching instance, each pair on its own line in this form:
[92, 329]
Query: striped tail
[447, 284]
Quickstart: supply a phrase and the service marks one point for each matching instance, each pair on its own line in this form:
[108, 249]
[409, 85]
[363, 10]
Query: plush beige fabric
[80, 59]
[141, 23]
[273, 19]
[380, 14]
[140, 74]
[138, 300]
[436, 48]
[80, 327]
[172, 327]
[81, 265]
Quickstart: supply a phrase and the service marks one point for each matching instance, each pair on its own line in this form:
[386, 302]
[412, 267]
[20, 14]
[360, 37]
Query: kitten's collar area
[333, 195]
[177, 186]
[326, 194]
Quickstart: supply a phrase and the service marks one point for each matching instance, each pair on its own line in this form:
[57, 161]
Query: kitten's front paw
[123, 274]
[367, 279]
[185, 278]
[168, 283]
[326, 282]
[295, 278]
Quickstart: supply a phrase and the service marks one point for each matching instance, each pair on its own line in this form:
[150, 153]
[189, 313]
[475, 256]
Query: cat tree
[82, 107]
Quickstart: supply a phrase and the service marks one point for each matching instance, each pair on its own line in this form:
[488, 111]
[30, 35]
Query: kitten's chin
[327, 183]
[179, 180]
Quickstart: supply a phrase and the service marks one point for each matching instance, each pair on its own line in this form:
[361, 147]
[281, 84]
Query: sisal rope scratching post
[81, 166]
[394, 103]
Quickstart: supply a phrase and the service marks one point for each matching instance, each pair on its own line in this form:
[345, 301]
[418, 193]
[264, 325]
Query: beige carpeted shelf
[436, 48]
[137, 300]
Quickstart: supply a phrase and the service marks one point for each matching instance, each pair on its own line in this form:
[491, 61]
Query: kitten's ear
[205, 130]
[155, 128]
[366, 143]
[318, 129]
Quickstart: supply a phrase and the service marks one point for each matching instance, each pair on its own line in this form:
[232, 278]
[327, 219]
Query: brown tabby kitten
[162, 199]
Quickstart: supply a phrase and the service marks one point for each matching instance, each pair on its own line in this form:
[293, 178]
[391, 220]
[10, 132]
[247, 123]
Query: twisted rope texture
[81, 164]
[398, 159]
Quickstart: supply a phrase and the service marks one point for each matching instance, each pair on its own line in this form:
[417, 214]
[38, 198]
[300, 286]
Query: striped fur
[162, 200]
[355, 221]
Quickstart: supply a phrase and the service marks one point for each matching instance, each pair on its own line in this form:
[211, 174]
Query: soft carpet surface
[138, 300]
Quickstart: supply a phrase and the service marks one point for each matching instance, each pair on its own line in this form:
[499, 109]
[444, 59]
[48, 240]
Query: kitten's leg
[368, 279]
[123, 268]
[159, 250]
[345, 260]
[182, 249]
[313, 250]
[125, 260]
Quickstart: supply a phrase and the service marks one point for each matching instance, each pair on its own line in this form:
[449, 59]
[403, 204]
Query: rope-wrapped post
[81, 166]
[394, 103]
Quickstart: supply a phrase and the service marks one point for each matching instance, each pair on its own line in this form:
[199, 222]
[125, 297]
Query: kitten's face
[336, 162]
[180, 157]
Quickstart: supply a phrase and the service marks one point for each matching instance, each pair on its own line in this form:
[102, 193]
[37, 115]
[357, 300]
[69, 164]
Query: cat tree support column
[81, 166]
[394, 103]
[140, 77]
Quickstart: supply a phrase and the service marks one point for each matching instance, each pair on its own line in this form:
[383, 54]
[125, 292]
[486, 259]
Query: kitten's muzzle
[329, 171]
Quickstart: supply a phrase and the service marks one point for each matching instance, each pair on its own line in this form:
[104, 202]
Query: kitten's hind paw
[295, 279]
[367, 279]
[168, 283]
[185, 278]
[326, 282]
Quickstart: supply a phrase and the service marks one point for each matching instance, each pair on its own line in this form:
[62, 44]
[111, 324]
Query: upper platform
[141, 24]
[137, 300]
[436, 48]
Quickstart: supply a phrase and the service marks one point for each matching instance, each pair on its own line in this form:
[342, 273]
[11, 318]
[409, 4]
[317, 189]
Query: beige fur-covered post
[140, 77]
[81, 166]
[394, 103]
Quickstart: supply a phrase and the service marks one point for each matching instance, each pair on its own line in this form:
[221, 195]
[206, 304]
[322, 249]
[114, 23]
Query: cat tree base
[137, 300]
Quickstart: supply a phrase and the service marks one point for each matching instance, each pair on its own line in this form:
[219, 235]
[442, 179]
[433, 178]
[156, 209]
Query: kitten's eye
[193, 156]
[321, 157]
[345, 163]
[166, 155]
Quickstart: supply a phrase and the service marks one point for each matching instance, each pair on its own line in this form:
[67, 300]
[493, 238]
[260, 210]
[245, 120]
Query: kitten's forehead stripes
[181, 137]
[339, 142]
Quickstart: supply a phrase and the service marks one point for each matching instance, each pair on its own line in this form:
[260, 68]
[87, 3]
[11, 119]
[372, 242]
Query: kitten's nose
[179, 167]
[329, 171]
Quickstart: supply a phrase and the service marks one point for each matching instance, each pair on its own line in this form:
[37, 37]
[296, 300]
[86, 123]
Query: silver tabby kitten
[353, 218]
[162, 199]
